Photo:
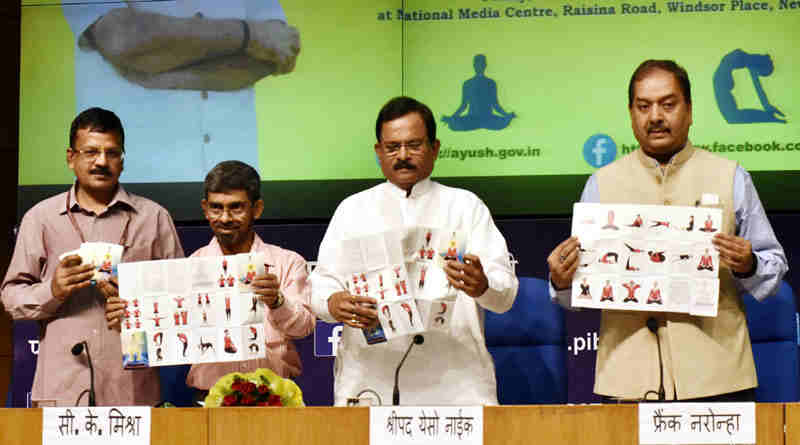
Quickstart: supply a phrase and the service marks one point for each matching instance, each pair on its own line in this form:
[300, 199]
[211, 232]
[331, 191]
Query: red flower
[263, 389]
[274, 400]
[248, 387]
[261, 404]
[248, 401]
[229, 400]
[237, 385]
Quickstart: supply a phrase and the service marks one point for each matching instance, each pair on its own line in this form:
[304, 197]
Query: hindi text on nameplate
[96, 425]
[697, 423]
[400, 425]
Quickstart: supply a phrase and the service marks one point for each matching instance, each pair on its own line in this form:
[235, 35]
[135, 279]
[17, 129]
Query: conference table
[545, 424]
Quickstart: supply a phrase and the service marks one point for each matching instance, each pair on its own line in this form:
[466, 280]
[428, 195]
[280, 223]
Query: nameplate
[697, 423]
[400, 425]
[98, 425]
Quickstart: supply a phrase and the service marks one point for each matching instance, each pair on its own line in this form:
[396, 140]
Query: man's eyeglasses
[236, 210]
[91, 154]
[393, 148]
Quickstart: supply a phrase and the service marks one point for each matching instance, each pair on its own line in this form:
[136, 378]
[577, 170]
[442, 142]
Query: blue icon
[759, 65]
[326, 339]
[479, 100]
[599, 150]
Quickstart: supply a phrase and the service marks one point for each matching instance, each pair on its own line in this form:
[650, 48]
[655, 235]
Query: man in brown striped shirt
[60, 294]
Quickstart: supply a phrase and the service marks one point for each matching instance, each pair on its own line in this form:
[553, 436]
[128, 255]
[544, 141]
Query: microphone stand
[76, 350]
[652, 325]
[418, 340]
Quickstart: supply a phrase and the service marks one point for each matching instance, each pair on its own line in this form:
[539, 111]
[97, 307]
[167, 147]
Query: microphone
[418, 340]
[652, 325]
[77, 349]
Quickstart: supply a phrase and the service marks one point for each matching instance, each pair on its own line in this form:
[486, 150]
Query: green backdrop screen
[530, 97]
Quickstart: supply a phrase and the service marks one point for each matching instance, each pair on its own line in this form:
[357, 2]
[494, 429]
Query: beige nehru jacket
[702, 356]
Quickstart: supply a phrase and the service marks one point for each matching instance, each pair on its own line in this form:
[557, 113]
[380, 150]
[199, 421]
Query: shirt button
[204, 94]
[206, 138]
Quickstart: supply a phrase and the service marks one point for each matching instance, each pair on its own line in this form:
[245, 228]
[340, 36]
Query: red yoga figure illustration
[184, 342]
[157, 321]
[585, 290]
[422, 273]
[388, 314]
[407, 308]
[637, 222]
[610, 225]
[706, 262]
[708, 225]
[230, 348]
[631, 286]
[608, 292]
[655, 295]
[609, 258]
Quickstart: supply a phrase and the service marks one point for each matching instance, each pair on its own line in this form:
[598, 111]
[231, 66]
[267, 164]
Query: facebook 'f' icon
[336, 335]
[326, 339]
[599, 150]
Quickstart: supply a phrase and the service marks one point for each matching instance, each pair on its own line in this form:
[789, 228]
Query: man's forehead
[228, 196]
[402, 125]
[88, 136]
[652, 97]
[656, 85]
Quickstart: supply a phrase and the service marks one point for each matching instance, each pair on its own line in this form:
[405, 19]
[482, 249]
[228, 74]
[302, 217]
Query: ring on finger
[563, 258]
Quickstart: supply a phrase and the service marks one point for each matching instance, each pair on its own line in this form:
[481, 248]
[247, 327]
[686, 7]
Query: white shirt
[449, 367]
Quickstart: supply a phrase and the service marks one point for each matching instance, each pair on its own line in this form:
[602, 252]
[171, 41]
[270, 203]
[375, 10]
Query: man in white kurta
[452, 366]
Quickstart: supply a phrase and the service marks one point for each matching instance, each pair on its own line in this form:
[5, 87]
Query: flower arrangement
[261, 387]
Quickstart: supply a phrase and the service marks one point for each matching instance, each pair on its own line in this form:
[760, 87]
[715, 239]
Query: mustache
[402, 163]
[100, 171]
[652, 128]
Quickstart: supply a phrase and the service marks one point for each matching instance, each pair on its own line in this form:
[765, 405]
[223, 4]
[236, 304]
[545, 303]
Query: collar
[258, 245]
[417, 190]
[121, 197]
[676, 161]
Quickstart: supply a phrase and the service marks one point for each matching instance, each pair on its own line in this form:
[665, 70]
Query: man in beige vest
[708, 358]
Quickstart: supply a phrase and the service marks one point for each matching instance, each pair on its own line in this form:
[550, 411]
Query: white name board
[399, 425]
[98, 425]
[697, 423]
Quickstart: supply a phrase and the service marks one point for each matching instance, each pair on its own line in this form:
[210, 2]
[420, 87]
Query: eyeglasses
[393, 148]
[91, 154]
[236, 210]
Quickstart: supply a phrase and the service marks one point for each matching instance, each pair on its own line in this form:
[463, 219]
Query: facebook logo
[326, 339]
[599, 150]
